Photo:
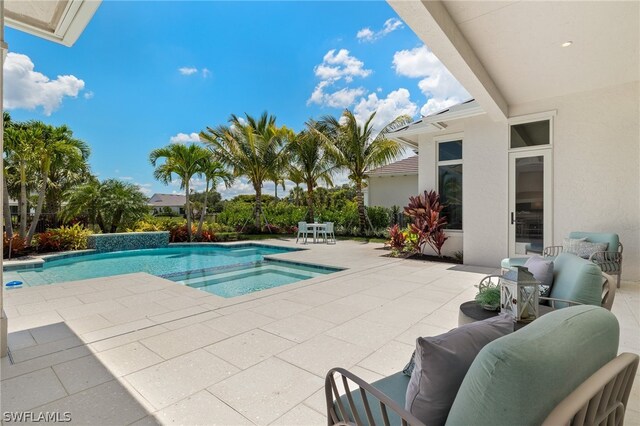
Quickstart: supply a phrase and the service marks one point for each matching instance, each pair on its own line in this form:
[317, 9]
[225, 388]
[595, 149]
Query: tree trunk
[100, 223]
[36, 216]
[362, 214]
[203, 213]
[117, 217]
[6, 210]
[258, 211]
[276, 191]
[310, 203]
[187, 208]
[22, 202]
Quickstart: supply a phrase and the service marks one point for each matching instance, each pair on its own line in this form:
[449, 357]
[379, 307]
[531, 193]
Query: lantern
[519, 293]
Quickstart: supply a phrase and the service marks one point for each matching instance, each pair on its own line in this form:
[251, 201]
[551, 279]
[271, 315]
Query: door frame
[547, 154]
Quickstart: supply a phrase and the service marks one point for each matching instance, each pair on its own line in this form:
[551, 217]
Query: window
[450, 182]
[530, 134]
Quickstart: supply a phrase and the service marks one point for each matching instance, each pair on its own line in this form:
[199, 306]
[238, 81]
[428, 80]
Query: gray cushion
[521, 378]
[542, 270]
[585, 249]
[570, 245]
[441, 363]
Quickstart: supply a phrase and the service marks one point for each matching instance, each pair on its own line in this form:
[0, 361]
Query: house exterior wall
[387, 191]
[596, 173]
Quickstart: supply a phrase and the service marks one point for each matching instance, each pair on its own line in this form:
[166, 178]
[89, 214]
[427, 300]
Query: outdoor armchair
[509, 382]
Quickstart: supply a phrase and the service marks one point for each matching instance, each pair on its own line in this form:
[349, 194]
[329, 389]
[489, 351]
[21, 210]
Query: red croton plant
[428, 224]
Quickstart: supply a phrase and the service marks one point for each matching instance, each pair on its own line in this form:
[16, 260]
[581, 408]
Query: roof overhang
[61, 21]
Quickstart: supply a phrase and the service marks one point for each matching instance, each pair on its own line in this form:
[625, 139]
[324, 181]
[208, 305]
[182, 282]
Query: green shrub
[62, 239]
[379, 216]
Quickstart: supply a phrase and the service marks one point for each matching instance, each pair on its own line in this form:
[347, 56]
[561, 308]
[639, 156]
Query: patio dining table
[315, 227]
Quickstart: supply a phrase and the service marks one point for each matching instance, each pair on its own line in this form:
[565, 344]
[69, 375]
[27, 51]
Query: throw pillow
[441, 362]
[411, 365]
[585, 249]
[542, 270]
[570, 245]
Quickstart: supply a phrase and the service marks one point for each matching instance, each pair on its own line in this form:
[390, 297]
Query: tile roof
[408, 166]
[167, 200]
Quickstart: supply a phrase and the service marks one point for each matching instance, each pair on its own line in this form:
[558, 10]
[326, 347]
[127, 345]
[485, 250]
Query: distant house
[167, 203]
[393, 184]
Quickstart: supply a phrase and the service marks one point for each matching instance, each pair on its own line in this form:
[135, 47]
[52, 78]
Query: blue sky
[143, 73]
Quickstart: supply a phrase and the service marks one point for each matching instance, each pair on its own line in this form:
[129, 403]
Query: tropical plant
[428, 224]
[488, 295]
[184, 161]
[397, 238]
[356, 148]
[112, 204]
[250, 147]
[62, 239]
[311, 163]
[213, 172]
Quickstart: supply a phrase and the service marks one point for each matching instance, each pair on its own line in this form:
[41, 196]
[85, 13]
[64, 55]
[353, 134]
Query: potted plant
[489, 296]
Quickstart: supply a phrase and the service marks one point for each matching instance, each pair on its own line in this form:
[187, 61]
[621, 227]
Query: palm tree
[53, 145]
[312, 162]
[6, 210]
[356, 148]
[185, 161]
[294, 175]
[213, 172]
[85, 199]
[251, 148]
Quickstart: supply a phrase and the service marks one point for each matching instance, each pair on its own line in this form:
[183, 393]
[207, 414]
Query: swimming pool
[232, 270]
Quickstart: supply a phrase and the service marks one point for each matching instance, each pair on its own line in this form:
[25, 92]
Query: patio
[137, 349]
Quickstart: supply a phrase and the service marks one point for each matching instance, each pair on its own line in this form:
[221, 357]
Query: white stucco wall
[390, 191]
[596, 173]
[596, 165]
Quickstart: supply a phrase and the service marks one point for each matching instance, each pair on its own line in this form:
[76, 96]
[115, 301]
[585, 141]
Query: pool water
[224, 270]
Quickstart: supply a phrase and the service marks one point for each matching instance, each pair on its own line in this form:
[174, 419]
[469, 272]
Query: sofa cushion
[395, 387]
[570, 245]
[542, 270]
[513, 261]
[576, 279]
[441, 363]
[520, 378]
[585, 249]
[599, 237]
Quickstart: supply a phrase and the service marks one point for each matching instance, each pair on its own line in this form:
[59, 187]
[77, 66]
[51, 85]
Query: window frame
[455, 137]
[531, 118]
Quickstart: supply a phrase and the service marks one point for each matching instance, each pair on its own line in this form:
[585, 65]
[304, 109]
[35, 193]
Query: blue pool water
[224, 270]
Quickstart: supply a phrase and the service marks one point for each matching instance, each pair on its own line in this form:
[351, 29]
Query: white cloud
[185, 138]
[126, 178]
[437, 83]
[338, 66]
[240, 186]
[29, 89]
[387, 109]
[145, 188]
[88, 95]
[188, 70]
[206, 73]
[389, 26]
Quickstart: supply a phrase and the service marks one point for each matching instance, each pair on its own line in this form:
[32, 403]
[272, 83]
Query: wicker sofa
[561, 369]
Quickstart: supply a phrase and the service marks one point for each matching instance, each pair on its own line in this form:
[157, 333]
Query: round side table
[471, 312]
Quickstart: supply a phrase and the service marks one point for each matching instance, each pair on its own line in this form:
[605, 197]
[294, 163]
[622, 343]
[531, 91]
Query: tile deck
[138, 349]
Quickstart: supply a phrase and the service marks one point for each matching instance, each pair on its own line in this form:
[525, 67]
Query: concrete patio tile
[147, 421]
[266, 391]
[170, 381]
[27, 296]
[420, 330]
[394, 316]
[298, 327]
[82, 373]
[423, 306]
[321, 353]
[106, 404]
[133, 313]
[250, 348]
[20, 340]
[363, 333]
[116, 330]
[51, 332]
[48, 305]
[14, 370]
[238, 322]
[143, 299]
[201, 408]
[390, 290]
[280, 309]
[301, 415]
[359, 302]
[25, 322]
[310, 297]
[30, 390]
[123, 339]
[32, 352]
[177, 314]
[334, 313]
[178, 302]
[432, 294]
[87, 324]
[177, 342]
[87, 309]
[442, 318]
[389, 359]
[128, 359]
[110, 294]
[192, 319]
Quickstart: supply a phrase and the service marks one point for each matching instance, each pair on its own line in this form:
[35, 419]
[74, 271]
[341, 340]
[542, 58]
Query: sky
[147, 73]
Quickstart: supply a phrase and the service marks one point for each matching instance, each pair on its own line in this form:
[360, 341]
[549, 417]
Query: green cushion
[395, 387]
[520, 378]
[576, 279]
[598, 237]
